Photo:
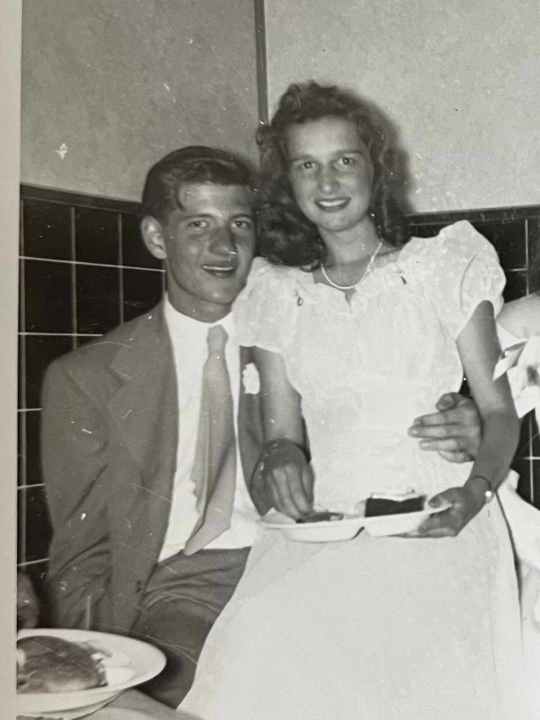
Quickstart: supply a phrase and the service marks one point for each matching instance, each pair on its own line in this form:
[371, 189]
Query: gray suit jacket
[109, 445]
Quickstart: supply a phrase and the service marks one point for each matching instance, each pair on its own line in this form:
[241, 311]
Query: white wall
[122, 82]
[461, 79]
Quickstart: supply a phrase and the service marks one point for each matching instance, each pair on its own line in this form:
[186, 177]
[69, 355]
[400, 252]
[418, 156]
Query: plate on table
[400, 523]
[128, 662]
[314, 532]
[349, 526]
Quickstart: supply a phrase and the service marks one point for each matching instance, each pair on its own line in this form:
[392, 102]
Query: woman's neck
[352, 246]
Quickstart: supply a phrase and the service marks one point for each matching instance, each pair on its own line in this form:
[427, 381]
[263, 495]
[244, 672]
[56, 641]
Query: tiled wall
[84, 269]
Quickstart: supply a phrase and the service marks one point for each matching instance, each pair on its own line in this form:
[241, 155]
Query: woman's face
[330, 172]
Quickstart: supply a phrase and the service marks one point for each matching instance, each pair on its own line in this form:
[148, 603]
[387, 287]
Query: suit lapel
[145, 407]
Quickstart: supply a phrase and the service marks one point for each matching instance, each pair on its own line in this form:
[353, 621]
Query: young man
[121, 428]
[149, 441]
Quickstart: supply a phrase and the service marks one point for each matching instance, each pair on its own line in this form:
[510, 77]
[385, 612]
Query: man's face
[208, 247]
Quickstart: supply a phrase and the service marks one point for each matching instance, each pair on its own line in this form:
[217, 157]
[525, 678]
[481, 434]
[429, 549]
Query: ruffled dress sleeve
[463, 270]
[266, 310]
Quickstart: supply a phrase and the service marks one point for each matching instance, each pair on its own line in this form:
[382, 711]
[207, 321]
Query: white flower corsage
[521, 363]
[251, 380]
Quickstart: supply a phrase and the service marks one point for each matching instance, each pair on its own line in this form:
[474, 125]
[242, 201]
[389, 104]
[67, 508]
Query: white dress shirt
[190, 349]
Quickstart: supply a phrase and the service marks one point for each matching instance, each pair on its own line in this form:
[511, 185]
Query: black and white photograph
[275, 386]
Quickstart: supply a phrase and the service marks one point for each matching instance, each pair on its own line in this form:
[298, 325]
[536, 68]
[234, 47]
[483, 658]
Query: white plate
[131, 662]
[315, 532]
[349, 527]
[383, 525]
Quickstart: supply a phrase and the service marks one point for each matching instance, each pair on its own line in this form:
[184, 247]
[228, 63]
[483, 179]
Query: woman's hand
[465, 502]
[285, 477]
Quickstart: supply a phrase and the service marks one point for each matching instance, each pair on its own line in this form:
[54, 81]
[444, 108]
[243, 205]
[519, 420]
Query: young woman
[355, 334]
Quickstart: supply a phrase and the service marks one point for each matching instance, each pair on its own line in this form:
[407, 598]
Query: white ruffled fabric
[521, 362]
[378, 628]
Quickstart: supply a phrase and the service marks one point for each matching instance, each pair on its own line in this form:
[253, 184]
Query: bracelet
[489, 493]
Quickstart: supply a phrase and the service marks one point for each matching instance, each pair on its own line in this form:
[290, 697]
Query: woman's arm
[479, 349]
[283, 478]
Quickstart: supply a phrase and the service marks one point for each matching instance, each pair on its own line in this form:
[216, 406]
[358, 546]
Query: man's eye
[197, 224]
[304, 166]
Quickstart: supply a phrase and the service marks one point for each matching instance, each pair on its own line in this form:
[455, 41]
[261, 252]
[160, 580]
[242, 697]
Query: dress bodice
[367, 365]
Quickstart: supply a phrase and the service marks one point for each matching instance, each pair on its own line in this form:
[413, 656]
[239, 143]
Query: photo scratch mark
[62, 151]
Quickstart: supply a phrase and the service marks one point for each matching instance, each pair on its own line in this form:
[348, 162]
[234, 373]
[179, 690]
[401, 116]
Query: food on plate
[320, 516]
[47, 664]
[394, 504]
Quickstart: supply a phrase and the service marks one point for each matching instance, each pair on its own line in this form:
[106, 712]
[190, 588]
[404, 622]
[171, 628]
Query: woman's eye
[347, 161]
[243, 224]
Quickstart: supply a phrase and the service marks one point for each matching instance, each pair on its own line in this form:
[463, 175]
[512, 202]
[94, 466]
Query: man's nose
[327, 179]
[223, 241]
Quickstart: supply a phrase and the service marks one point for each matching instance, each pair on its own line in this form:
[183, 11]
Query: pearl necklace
[351, 287]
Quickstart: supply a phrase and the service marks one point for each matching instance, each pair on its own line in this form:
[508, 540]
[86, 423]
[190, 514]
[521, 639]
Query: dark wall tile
[516, 285]
[21, 441]
[425, 231]
[535, 440]
[522, 467]
[41, 350]
[134, 252]
[21, 372]
[34, 474]
[38, 526]
[82, 340]
[96, 236]
[48, 297]
[98, 301]
[21, 524]
[46, 230]
[536, 482]
[142, 290]
[509, 240]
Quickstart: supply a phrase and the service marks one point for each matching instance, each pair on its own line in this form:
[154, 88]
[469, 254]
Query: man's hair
[192, 164]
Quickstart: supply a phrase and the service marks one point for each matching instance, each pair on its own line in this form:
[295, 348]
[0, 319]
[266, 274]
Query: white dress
[523, 518]
[372, 628]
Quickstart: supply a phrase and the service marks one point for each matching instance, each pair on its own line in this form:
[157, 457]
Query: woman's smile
[330, 172]
[332, 204]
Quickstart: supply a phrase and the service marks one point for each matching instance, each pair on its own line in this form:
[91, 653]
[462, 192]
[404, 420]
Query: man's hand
[285, 478]
[27, 603]
[455, 431]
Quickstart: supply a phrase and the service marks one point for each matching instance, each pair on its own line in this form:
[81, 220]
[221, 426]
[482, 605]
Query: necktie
[214, 467]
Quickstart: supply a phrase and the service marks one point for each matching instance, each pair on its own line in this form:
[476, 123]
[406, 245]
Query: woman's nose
[327, 180]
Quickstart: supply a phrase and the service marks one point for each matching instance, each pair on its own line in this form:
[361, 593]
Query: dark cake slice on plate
[394, 503]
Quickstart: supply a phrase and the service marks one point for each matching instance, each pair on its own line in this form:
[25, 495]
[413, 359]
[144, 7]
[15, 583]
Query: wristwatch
[489, 493]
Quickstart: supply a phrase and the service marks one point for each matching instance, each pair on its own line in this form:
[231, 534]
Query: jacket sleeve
[74, 447]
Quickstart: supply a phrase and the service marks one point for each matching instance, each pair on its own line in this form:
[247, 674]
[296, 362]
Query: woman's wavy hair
[286, 236]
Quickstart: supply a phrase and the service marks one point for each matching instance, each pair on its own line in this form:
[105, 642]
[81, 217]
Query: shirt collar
[179, 324]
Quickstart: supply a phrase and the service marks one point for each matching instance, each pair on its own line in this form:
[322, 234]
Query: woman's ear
[153, 237]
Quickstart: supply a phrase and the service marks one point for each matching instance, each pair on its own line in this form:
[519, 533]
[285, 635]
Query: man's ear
[153, 237]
